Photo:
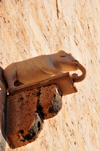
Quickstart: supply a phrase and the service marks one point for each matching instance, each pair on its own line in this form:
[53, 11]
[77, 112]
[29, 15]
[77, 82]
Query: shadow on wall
[2, 113]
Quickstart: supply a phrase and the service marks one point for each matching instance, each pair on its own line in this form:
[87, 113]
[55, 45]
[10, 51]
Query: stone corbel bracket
[27, 110]
[29, 105]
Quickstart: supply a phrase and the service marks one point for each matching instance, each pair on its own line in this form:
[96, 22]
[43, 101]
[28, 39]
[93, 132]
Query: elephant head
[69, 62]
[80, 78]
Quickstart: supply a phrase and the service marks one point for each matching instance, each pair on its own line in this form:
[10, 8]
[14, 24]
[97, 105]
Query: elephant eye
[70, 54]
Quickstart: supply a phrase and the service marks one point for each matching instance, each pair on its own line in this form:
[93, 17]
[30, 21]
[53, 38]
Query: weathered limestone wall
[29, 28]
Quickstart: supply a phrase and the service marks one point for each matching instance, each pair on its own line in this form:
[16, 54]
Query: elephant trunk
[77, 78]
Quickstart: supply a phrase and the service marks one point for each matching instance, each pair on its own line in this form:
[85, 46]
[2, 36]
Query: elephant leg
[10, 81]
[10, 77]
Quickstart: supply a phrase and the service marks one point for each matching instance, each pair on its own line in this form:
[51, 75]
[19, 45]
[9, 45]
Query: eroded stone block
[27, 110]
[50, 101]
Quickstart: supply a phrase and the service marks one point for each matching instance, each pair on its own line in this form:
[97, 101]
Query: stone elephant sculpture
[42, 67]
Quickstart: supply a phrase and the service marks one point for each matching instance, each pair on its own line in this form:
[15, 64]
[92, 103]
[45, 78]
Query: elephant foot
[10, 89]
[74, 75]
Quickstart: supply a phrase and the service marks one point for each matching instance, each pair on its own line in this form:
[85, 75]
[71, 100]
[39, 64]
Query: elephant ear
[62, 53]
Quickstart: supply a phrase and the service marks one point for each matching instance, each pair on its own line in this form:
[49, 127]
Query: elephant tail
[2, 79]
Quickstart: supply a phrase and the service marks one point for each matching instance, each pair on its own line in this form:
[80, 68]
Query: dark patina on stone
[27, 110]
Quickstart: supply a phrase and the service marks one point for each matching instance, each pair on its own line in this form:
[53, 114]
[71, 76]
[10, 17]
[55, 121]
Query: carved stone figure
[42, 67]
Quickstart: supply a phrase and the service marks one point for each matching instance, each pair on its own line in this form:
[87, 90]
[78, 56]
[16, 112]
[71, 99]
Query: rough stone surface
[21, 114]
[33, 27]
[50, 101]
[27, 110]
